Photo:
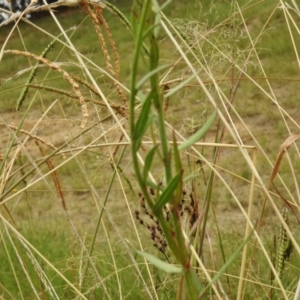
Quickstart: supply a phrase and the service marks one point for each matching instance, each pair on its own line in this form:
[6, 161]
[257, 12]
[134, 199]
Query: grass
[80, 212]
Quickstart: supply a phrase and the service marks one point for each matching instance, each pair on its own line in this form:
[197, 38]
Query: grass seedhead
[66, 76]
[284, 247]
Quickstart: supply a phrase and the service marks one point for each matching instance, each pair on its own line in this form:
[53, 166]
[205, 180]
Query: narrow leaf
[190, 177]
[141, 96]
[148, 161]
[142, 122]
[157, 11]
[154, 185]
[178, 167]
[181, 85]
[176, 154]
[196, 281]
[168, 268]
[168, 192]
[140, 84]
[200, 133]
[157, 18]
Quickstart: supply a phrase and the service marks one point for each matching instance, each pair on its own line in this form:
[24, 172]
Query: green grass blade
[200, 133]
[142, 123]
[167, 195]
[196, 281]
[178, 168]
[166, 267]
[140, 84]
[148, 162]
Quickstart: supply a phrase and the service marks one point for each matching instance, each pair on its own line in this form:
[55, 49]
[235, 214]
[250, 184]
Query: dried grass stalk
[54, 176]
[116, 148]
[117, 108]
[285, 146]
[35, 137]
[65, 74]
[115, 53]
[98, 20]
[122, 110]
[102, 21]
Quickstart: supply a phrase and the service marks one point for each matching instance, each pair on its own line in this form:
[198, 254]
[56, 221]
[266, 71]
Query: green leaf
[153, 185]
[148, 162]
[178, 167]
[138, 27]
[168, 268]
[140, 84]
[134, 21]
[157, 18]
[196, 282]
[200, 133]
[157, 11]
[181, 85]
[141, 96]
[167, 193]
[176, 154]
[142, 122]
[190, 177]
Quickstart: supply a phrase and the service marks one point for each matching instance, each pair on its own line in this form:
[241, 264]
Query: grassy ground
[61, 220]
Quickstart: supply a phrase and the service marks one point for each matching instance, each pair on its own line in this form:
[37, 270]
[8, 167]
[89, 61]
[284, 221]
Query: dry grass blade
[29, 134]
[55, 178]
[287, 143]
[118, 108]
[66, 76]
[122, 110]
